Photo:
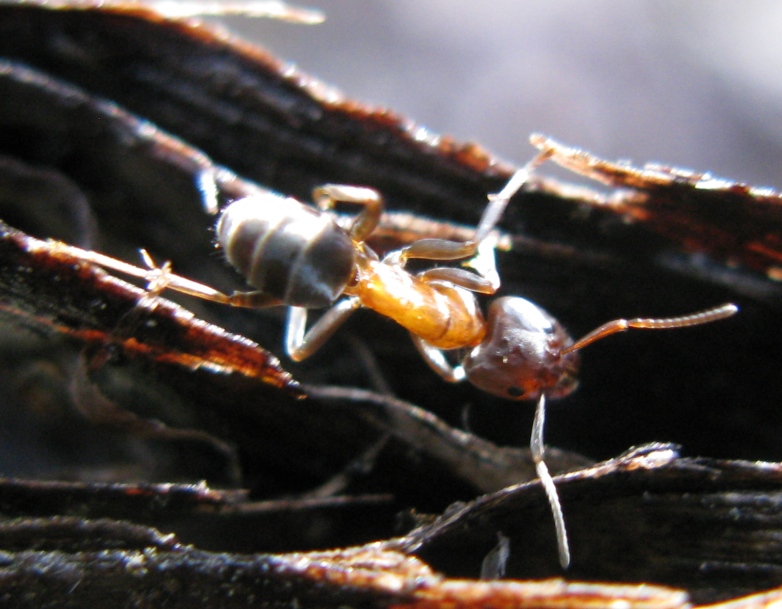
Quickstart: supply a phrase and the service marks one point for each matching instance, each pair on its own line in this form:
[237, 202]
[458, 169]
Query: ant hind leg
[300, 343]
[326, 197]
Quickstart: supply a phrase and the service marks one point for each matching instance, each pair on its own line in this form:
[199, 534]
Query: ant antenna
[640, 323]
[538, 448]
[612, 327]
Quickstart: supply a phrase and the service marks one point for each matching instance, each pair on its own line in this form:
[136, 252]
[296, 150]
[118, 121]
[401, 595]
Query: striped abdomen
[287, 250]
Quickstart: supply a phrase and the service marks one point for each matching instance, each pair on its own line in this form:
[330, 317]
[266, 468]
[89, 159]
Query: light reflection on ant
[297, 256]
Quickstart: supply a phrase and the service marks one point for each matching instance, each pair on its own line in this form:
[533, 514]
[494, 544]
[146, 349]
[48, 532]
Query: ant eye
[515, 392]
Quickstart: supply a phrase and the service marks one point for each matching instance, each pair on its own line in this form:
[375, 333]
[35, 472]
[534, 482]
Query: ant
[296, 255]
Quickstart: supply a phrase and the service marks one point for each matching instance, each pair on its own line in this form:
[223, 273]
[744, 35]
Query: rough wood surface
[110, 117]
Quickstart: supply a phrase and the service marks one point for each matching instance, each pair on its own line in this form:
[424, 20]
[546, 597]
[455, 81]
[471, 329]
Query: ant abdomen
[287, 250]
[521, 356]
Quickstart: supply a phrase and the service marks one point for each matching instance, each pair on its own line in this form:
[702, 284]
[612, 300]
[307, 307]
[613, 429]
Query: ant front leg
[441, 249]
[480, 249]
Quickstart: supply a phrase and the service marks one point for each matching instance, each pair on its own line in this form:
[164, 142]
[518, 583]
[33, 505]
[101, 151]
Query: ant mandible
[298, 256]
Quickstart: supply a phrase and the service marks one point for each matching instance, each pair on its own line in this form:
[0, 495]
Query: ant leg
[537, 448]
[300, 345]
[459, 277]
[495, 562]
[438, 362]
[360, 466]
[487, 281]
[441, 249]
[484, 262]
[498, 202]
[326, 197]
[434, 249]
[206, 183]
[683, 321]
[161, 278]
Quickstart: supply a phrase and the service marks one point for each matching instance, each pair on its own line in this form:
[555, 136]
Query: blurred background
[693, 84]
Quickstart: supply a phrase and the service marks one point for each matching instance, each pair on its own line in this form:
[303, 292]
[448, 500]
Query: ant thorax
[445, 316]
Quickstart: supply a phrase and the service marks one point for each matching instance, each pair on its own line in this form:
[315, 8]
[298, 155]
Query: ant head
[521, 356]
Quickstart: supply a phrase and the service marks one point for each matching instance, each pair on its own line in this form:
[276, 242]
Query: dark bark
[109, 118]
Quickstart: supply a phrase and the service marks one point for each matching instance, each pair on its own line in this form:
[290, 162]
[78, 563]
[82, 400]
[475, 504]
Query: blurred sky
[695, 84]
